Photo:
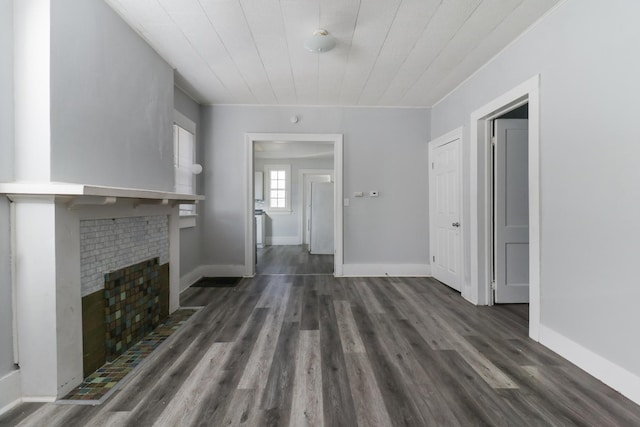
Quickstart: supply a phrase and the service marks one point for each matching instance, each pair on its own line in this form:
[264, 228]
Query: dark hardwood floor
[292, 259]
[317, 350]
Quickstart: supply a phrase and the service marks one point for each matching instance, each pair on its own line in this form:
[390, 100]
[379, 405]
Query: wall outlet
[358, 194]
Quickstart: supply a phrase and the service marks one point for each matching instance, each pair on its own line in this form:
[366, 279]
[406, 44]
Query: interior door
[321, 218]
[511, 211]
[308, 179]
[445, 188]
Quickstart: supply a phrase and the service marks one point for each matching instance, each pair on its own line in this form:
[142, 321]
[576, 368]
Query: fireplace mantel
[46, 270]
[79, 194]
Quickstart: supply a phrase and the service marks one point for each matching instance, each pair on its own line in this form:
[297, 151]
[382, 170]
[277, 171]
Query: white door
[445, 188]
[321, 235]
[308, 179]
[511, 211]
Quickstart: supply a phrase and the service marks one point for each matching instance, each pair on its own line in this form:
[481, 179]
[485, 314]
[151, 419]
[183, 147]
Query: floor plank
[280, 350]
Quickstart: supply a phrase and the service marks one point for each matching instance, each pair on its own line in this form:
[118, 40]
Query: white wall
[384, 149]
[584, 52]
[190, 238]
[111, 101]
[286, 225]
[6, 174]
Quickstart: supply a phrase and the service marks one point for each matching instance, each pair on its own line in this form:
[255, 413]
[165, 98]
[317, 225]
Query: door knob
[456, 224]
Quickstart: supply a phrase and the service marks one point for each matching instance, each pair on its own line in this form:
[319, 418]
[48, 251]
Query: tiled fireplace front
[125, 284]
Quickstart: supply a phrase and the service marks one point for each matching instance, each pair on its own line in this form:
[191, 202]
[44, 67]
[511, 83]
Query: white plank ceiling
[388, 52]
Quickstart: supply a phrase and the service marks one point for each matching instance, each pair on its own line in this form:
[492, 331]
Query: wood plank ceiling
[388, 53]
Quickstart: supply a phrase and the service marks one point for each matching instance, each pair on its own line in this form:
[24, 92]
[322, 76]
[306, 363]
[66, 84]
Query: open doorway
[278, 220]
[479, 289]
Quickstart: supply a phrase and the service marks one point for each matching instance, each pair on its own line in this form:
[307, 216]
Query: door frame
[301, 194]
[249, 232]
[437, 142]
[479, 289]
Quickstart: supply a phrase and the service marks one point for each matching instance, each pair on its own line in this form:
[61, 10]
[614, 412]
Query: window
[278, 183]
[184, 157]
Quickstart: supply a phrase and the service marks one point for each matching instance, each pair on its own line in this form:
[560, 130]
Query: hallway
[292, 259]
[318, 350]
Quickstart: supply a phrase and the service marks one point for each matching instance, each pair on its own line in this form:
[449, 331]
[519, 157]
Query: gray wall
[385, 149]
[190, 238]
[112, 101]
[286, 225]
[6, 174]
[585, 53]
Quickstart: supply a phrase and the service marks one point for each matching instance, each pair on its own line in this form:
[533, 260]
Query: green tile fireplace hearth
[98, 386]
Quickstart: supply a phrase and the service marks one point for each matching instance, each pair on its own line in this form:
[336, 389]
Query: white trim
[383, 270]
[10, 391]
[191, 277]
[188, 221]
[249, 237]
[282, 240]
[301, 189]
[184, 122]
[478, 290]
[606, 371]
[228, 270]
[453, 135]
[40, 399]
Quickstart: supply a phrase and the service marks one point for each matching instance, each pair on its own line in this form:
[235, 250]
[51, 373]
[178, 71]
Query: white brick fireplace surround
[46, 222]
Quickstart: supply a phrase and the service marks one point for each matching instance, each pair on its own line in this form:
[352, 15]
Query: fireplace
[67, 238]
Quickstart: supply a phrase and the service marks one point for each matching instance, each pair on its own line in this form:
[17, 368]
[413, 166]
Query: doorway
[290, 239]
[478, 289]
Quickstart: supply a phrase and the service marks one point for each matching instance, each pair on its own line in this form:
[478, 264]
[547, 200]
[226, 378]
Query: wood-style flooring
[292, 259]
[316, 350]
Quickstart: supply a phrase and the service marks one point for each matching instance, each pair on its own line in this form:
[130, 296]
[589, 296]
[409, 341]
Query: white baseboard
[222, 270]
[282, 240]
[191, 277]
[10, 391]
[606, 371]
[382, 270]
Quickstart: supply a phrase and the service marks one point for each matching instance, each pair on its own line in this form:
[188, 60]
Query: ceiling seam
[253, 39]
[353, 33]
[440, 52]
[435, 12]
[286, 40]
[395, 15]
[227, 50]
[192, 46]
[487, 35]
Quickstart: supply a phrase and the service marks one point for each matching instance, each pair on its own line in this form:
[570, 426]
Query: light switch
[358, 194]
[373, 193]
[346, 202]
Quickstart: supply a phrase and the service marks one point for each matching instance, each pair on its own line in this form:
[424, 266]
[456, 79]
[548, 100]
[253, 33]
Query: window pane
[281, 175]
[274, 175]
[280, 203]
[281, 194]
[279, 185]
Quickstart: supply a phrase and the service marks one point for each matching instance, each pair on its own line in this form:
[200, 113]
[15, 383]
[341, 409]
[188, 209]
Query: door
[445, 188]
[511, 211]
[321, 236]
[307, 180]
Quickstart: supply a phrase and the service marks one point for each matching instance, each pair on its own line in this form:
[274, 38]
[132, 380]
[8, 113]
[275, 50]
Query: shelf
[83, 194]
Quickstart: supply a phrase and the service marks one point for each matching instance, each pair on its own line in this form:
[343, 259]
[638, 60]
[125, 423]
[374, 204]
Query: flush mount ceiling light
[320, 41]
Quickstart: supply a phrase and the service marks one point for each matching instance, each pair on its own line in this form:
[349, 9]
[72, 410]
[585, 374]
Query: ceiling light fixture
[321, 41]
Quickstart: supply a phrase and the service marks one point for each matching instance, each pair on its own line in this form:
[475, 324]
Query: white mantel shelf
[78, 192]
